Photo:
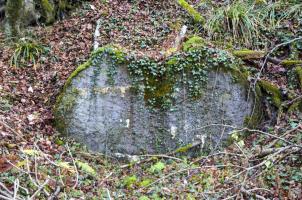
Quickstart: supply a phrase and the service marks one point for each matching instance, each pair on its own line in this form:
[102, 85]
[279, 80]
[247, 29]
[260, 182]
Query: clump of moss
[184, 149]
[194, 42]
[193, 13]
[248, 54]
[260, 2]
[289, 63]
[295, 106]
[273, 91]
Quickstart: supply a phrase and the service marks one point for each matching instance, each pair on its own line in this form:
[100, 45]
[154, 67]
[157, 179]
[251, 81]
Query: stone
[113, 118]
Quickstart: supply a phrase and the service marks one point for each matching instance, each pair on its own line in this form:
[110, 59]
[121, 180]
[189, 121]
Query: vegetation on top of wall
[156, 80]
[193, 42]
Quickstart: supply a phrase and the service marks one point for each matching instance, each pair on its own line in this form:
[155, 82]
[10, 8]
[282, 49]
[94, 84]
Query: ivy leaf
[159, 166]
[128, 181]
[268, 163]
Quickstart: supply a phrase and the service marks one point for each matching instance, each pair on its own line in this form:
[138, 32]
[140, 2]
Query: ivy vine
[159, 80]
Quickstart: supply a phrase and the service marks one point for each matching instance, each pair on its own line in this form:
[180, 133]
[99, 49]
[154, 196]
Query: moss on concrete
[160, 77]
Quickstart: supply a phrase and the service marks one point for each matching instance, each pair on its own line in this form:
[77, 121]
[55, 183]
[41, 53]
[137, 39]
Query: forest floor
[36, 162]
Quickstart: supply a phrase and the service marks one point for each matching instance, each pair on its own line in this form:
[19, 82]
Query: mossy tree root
[273, 91]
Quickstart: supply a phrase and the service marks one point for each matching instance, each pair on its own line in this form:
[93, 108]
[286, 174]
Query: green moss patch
[248, 54]
[194, 42]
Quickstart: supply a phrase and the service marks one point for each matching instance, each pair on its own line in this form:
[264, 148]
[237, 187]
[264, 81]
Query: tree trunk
[13, 17]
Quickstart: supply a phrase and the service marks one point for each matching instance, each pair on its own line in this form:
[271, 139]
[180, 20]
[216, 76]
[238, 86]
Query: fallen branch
[248, 192]
[268, 55]
[55, 194]
[39, 189]
[269, 151]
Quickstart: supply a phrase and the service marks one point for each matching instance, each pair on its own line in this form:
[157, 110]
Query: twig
[108, 194]
[189, 169]
[39, 189]
[248, 192]
[104, 179]
[168, 155]
[74, 165]
[11, 129]
[250, 130]
[16, 188]
[152, 158]
[269, 151]
[5, 188]
[55, 194]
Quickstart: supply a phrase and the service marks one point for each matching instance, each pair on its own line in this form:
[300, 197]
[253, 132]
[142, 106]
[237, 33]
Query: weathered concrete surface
[115, 120]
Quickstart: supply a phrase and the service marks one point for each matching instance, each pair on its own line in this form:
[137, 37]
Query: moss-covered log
[290, 63]
[192, 12]
[248, 54]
